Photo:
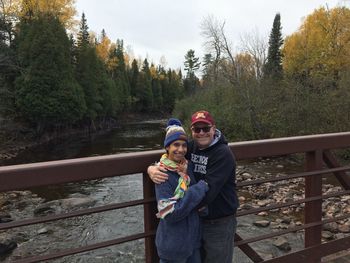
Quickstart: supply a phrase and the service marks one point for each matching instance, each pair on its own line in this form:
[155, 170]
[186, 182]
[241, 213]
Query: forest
[280, 86]
[56, 75]
[54, 80]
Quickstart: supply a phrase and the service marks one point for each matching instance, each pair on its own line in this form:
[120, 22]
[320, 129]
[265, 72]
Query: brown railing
[317, 155]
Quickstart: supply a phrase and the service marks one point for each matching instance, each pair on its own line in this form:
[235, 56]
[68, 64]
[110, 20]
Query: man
[214, 162]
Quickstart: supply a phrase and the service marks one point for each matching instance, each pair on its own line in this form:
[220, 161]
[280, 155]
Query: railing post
[313, 210]
[150, 220]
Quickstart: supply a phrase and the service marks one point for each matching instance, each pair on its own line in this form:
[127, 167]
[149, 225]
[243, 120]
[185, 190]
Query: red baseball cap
[202, 116]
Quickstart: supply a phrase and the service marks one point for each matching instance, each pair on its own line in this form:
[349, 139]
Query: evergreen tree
[146, 70]
[73, 50]
[191, 85]
[87, 73]
[83, 34]
[133, 75]
[48, 95]
[192, 63]
[9, 70]
[157, 94]
[118, 73]
[273, 67]
[169, 89]
[103, 34]
[121, 75]
[144, 88]
[180, 84]
[110, 95]
[145, 97]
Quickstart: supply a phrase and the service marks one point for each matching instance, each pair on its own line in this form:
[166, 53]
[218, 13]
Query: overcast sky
[171, 27]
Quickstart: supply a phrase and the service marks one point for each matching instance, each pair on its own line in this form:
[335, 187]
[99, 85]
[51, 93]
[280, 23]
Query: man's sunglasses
[199, 129]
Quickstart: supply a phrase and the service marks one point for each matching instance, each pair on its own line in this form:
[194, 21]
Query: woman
[178, 234]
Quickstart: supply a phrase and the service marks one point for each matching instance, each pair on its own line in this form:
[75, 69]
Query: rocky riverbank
[13, 139]
[267, 194]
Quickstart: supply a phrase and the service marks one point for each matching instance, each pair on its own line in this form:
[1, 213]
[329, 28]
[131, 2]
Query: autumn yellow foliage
[103, 48]
[321, 46]
[63, 9]
[245, 66]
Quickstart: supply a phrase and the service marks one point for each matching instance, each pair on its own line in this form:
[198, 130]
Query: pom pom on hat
[173, 122]
[174, 132]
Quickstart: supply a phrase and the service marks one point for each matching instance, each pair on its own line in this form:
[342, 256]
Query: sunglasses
[199, 129]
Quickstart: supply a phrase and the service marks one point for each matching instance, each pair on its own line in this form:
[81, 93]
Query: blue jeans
[218, 240]
[194, 258]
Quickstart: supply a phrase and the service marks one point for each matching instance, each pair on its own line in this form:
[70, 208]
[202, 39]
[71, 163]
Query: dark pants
[218, 239]
[194, 258]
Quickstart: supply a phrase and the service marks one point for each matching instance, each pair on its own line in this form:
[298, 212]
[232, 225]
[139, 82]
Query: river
[133, 136]
[70, 233]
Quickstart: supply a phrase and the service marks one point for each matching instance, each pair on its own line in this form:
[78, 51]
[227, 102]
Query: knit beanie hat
[174, 131]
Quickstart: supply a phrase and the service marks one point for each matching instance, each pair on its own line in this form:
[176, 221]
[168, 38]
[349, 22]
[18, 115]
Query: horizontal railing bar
[292, 229]
[276, 206]
[82, 212]
[25, 176]
[285, 146]
[317, 251]
[292, 176]
[281, 205]
[78, 250]
[149, 200]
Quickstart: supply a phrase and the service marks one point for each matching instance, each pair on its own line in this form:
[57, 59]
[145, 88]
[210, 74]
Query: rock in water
[282, 243]
[262, 223]
[7, 246]
[5, 217]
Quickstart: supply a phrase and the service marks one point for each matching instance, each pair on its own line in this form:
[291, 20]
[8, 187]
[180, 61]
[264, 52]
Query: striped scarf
[166, 206]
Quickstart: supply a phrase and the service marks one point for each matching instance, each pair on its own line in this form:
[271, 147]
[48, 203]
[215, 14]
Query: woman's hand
[157, 174]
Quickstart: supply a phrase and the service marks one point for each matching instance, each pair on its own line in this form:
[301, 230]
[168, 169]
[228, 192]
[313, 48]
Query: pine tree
[157, 93]
[144, 88]
[73, 50]
[83, 34]
[109, 92]
[121, 74]
[48, 95]
[87, 73]
[169, 91]
[180, 84]
[192, 63]
[273, 67]
[146, 70]
[133, 75]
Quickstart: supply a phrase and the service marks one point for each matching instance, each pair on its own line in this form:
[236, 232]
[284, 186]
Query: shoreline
[15, 142]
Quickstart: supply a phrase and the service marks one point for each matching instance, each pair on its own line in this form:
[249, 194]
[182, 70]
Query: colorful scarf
[167, 206]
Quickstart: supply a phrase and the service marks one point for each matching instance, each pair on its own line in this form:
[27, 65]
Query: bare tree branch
[256, 46]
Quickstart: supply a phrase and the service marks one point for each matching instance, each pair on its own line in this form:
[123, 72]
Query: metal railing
[317, 149]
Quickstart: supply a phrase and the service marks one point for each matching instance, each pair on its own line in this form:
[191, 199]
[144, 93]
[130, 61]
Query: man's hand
[157, 174]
